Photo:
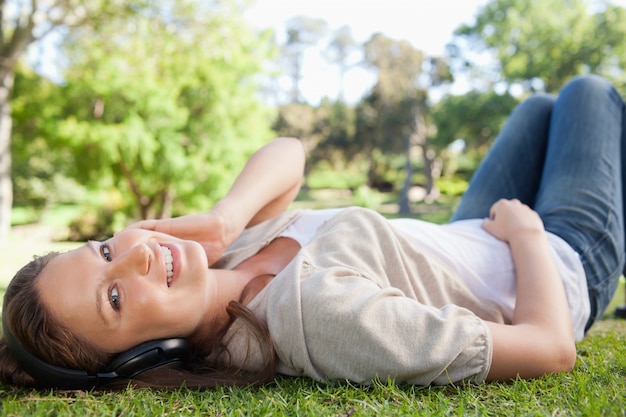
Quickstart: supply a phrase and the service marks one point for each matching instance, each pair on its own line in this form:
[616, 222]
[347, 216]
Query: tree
[164, 110]
[394, 116]
[475, 117]
[340, 51]
[388, 112]
[335, 123]
[23, 23]
[326, 132]
[541, 44]
[298, 120]
[39, 169]
[302, 33]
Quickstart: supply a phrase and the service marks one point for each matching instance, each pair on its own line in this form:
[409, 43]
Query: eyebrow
[93, 245]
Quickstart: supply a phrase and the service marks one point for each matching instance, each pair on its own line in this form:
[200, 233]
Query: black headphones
[169, 353]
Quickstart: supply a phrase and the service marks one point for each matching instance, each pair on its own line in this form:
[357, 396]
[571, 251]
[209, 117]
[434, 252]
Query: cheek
[146, 301]
[150, 315]
[163, 313]
[158, 307]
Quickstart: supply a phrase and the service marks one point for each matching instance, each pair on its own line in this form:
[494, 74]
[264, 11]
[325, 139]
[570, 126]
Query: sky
[427, 24]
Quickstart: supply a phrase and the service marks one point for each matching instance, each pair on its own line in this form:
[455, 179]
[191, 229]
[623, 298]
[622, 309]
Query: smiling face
[119, 293]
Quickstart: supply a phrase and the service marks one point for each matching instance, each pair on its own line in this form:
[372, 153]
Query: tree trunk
[6, 185]
[428, 156]
[404, 203]
[167, 202]
[428, 170]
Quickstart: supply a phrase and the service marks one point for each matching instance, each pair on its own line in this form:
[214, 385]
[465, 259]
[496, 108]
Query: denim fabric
[563, 157]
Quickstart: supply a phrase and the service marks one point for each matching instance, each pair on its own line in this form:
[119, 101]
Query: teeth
[169, 266]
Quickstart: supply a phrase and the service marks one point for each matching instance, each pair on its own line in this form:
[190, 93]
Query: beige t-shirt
[360, 301]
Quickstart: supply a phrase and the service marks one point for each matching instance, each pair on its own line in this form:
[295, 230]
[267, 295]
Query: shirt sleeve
[348, 327]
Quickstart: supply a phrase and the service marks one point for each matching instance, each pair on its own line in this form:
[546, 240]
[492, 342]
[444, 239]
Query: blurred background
[116, 110]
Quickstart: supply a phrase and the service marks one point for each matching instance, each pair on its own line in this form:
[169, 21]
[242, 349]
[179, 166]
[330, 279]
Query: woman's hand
[208, 229]
[509, 219]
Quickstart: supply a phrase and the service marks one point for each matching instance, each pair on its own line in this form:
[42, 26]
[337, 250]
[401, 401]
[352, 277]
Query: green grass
[597, 386]
[57, 216]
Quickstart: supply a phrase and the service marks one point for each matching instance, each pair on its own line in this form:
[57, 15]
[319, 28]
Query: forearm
[540, 338]
[541, 299]
[266, 186]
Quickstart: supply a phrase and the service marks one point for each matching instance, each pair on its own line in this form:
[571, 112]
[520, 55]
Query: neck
[228, 286]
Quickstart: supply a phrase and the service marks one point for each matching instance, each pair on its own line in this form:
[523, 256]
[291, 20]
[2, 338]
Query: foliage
[335, 127]
[365, 196]
[541, 44]
[297, 120]
[452, 185]
[536, 44]
[336, 124]
[386, 116]
[95, 224]
[326, 131]
[164, 108]
[23, 23]
[159, 102]
[325, 176]
[39, 164]
[476, 118]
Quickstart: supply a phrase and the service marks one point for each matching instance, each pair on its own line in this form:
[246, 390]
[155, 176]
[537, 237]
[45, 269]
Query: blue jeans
[563, 156]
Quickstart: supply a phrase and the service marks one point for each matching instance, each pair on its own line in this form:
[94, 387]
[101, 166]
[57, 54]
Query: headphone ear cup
[150, 355]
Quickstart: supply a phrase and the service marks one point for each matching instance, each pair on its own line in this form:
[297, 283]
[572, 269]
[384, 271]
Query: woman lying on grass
[248, 290]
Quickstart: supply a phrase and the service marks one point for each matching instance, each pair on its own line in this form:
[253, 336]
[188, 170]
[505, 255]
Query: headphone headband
[141, 358]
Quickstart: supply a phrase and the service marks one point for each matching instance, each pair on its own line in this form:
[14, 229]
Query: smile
[169, 265]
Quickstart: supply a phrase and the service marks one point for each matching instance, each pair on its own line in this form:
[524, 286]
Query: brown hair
[42, 335]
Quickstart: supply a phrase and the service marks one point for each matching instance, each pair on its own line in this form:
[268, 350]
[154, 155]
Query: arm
[264, 188]
[540, 339]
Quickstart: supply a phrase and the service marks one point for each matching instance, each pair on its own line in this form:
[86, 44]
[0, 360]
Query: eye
[114, 299]
[105, 251]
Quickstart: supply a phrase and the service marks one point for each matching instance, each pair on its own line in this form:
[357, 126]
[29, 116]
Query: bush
[365, 196]
[95, 224]
[452, 186]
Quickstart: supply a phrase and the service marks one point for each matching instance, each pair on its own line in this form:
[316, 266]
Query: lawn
[597, 386]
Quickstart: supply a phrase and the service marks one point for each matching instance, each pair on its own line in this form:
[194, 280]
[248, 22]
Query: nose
[135, 260]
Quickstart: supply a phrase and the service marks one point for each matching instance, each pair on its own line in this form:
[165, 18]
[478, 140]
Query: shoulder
[256, 237]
